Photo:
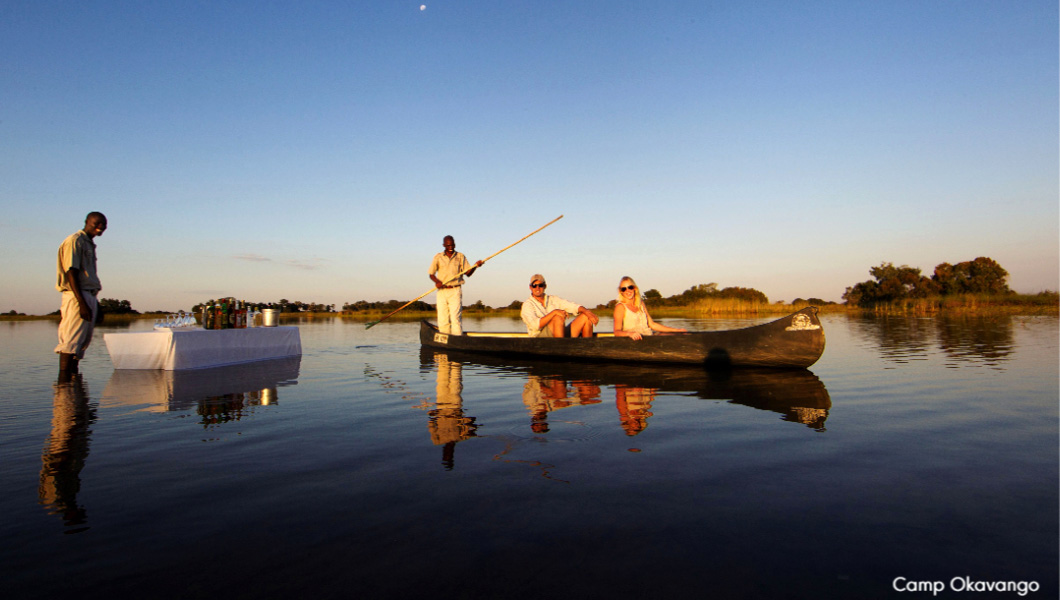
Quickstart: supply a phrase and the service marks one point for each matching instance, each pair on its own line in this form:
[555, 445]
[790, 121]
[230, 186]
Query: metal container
[270, 317]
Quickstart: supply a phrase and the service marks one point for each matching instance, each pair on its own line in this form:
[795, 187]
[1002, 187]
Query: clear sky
[319, 151]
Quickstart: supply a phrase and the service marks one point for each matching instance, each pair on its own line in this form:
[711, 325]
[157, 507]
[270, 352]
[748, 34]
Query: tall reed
[1043, 303]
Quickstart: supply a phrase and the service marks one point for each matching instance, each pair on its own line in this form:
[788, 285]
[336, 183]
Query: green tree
[112, 306]
[891, 283]
[740, 293]
[980, 276]
[692, 294]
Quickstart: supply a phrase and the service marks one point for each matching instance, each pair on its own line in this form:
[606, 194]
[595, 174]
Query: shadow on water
[963, 339]
[797, 394]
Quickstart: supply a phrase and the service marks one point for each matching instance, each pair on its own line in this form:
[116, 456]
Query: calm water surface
[923, 448]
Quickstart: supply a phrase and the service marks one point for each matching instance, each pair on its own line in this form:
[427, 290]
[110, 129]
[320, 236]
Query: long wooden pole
[460, 274]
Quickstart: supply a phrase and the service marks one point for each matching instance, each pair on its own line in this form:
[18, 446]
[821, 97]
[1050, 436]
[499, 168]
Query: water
[925, 449]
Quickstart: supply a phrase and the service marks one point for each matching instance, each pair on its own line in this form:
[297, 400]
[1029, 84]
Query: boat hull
[795, 341]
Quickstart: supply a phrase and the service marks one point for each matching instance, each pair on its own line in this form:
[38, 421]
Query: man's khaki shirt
[77, 252]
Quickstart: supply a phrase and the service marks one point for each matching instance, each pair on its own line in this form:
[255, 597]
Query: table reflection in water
[218, 395]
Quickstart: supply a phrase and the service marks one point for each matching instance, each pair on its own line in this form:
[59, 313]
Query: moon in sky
[423, 7]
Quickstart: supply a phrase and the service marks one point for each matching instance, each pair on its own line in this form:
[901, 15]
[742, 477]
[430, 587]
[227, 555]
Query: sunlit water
[918, 448]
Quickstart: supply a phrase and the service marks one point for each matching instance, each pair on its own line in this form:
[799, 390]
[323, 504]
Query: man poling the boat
[464, 272]
[447, 271]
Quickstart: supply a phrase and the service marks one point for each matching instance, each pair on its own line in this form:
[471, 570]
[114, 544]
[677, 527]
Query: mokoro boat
[795, 341]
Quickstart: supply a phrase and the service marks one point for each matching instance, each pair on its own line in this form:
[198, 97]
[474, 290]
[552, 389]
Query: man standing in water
[445, 266]
[76, 278]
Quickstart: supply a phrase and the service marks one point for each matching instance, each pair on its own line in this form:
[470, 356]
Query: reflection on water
[217, 395]
[967, 340]
[545, 394]
[65, 451]
[634, 407]
[796, 394]
[446, 421]
[988, 340]
[927, 471]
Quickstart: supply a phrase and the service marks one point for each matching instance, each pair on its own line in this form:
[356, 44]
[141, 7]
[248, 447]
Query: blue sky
[319, 151]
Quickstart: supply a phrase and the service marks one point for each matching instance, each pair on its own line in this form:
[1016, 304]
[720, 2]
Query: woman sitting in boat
[631, 315]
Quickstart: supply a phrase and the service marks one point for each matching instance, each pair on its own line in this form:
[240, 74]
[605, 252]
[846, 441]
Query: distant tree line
[364, 305]
[112, 306]
[698, 293]
[705, 291]
[890, 283]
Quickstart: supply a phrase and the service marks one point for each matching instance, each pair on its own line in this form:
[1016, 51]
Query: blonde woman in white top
[631, 315]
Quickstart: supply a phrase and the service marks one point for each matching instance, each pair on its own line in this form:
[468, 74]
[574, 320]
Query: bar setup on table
[183, 345]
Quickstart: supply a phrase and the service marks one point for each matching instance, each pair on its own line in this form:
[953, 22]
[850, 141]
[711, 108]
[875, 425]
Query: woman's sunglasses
[537, 285]
[632, 287]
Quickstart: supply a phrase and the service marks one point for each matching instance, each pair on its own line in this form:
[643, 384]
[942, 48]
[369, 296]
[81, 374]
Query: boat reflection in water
[446, 421]
[65, 452]
[796, 394]
[217, 395]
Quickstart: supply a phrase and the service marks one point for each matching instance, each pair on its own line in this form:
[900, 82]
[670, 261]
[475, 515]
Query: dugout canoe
[795, 341]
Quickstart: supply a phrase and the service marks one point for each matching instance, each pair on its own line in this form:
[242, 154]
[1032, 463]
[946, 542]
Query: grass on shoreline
[1045, 303]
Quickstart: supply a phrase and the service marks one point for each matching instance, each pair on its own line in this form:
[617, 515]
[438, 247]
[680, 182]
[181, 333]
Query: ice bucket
[270, 317]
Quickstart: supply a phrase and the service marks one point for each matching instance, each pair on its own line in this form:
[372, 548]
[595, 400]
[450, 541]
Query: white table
[193, 348]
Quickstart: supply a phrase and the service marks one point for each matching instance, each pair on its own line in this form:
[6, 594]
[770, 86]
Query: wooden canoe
[795, 341]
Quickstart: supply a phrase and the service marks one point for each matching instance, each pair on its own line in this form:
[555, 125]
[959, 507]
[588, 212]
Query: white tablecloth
[175, 349]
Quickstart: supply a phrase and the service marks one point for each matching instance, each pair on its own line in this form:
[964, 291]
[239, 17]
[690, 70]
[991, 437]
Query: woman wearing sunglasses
[631, 315]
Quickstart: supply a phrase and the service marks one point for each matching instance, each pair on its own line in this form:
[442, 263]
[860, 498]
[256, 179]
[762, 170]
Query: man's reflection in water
[447, 422]
[542, 395]
[65, 451]
[634, 407]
